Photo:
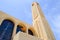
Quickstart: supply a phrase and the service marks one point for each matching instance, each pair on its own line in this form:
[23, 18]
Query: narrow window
[30, 32]
[6, 30]
[19, 28]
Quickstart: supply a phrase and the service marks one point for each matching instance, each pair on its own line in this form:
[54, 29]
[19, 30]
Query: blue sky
[21, 9]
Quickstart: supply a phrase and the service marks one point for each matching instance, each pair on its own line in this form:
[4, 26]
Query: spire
[40, 24]
[34, 11]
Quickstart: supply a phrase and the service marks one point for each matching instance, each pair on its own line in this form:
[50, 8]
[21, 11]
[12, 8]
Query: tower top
[35, 3]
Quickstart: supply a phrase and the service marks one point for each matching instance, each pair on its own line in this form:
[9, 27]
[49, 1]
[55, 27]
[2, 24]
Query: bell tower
[40, 24]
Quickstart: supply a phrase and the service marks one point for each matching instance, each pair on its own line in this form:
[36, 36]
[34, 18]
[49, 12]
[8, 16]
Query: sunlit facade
[14, 29]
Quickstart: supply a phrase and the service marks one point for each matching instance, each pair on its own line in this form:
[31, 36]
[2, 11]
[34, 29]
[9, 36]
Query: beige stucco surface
[24, 36]
[40, 23]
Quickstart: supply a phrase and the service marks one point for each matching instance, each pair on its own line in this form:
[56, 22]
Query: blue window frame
[19, 28]
[6, 30]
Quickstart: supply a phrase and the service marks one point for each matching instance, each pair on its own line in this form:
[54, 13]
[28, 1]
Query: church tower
[40, 24]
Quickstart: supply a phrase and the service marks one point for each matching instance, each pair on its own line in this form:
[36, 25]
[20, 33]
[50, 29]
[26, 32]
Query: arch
[32, 30]
[24, 27]
[20, 28]
[6, 29]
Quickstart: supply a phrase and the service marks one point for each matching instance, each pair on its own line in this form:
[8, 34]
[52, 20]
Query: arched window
[6, 30]
[30, 32]
[19, 28]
